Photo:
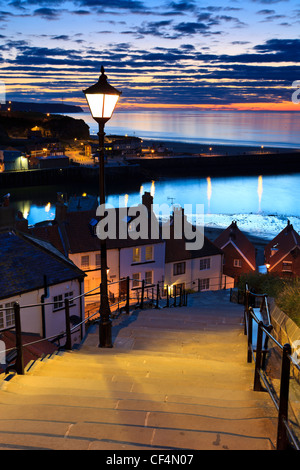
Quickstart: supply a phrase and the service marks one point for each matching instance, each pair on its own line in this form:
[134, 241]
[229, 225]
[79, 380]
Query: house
[51, 161]
[239, 252]
[282, 254]
[7, 212]
[74, 233]
[38, 277]
[13, 160]
[199, 269]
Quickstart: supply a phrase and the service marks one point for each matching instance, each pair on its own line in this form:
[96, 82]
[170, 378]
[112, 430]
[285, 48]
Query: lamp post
[102, 99]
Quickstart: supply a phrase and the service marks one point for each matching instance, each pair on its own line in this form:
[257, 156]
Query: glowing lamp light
[102, 98]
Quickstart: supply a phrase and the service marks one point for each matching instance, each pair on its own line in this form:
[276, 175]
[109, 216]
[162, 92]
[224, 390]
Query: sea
[260, 204]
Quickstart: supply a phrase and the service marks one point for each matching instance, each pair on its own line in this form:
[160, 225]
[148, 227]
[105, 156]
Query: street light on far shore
[102, 99]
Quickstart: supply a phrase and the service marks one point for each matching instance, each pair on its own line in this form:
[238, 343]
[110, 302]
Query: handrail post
[246, 309]
[180, 296]
[157, 295]
[127, 295]
[68, 344]
[143, 291]
[282, 438]
[174, 293]
[19, 359]
[250, 320]
[257, 385]
[168, 300]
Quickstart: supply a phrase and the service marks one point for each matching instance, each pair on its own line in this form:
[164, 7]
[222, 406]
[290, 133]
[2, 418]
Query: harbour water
[261, 204]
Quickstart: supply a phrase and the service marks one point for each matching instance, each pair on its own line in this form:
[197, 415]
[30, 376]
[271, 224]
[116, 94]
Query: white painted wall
[193, 273]
[128, 267]
[31, 318]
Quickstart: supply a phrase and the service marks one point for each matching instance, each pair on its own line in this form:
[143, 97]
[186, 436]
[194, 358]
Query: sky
[223, 54]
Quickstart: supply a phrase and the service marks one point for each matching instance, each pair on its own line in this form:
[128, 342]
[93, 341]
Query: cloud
[47, 13]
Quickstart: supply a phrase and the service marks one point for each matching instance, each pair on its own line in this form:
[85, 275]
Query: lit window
[136, 256]
[149, 253]
[287, 266]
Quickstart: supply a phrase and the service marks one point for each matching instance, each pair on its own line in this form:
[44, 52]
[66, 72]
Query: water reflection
[48, 207]
[261, 195]
[152, 190]
[256, 129]
[209, 191]
[260, 191]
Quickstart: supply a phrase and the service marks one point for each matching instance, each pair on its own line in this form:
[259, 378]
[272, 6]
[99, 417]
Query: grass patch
[286, 292]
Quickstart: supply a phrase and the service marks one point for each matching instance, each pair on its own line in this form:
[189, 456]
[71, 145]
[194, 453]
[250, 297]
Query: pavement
[175, 379]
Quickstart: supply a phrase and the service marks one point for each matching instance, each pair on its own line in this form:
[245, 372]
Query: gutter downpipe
[44, 296]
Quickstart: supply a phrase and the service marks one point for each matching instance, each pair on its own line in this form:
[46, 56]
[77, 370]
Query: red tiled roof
[31, 352]
[287, 240]
[234, 235]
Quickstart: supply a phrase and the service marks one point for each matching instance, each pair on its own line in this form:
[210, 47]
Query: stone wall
[285, 331]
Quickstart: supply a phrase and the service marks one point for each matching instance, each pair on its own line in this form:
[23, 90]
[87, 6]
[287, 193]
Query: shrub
[288, 300]
[286, 292]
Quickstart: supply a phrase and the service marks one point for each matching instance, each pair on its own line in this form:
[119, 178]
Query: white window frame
[237, 263]
[204, 264]
[98, 260]
[85, 264]
[151, 275]
[204, 284]
[176, 266]
[59, 303]
[136, 277]
[7, 315]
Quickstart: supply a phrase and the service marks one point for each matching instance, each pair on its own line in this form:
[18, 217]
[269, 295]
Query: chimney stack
[147, 201]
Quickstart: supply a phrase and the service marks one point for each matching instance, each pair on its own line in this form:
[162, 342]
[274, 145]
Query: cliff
[28, 125]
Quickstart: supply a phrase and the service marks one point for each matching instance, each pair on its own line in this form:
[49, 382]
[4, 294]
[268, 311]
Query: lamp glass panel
[110, 102]
[102, 106]
[96, 104]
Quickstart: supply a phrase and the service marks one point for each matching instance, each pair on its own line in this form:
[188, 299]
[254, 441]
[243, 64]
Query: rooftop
[24, 262]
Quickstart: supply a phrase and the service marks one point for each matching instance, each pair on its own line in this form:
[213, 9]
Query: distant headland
[41, 107]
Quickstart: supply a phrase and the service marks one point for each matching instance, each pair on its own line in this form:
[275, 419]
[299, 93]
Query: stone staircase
[175, 379]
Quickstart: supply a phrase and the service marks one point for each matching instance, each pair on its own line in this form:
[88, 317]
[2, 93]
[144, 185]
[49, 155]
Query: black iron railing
[140, 296]
[258, 349]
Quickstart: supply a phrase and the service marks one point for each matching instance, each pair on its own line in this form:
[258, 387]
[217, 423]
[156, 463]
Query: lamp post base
[105, 334]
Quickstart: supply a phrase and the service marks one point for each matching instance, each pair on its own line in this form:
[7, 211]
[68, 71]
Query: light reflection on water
[262, 200]
[255, 129]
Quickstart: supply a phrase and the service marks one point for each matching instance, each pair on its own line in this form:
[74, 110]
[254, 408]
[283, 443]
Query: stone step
[143, 365]
[132, 427]
[206, 406]
[39, 386]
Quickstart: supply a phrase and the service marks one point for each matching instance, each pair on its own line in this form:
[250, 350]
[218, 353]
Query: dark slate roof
[25, 260]
[76, 233]
[176, 248]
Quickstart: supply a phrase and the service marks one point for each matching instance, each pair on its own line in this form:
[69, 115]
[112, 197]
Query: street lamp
[102, 99]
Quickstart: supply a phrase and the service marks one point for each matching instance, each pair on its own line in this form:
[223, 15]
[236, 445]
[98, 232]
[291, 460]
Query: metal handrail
[285, 434]
[68, 303]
